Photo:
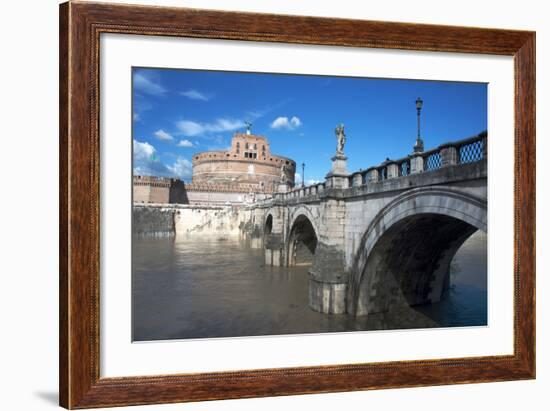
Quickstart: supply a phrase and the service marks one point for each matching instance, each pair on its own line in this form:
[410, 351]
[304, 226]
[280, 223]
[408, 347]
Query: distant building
[248, 171]
[149, 189]
[248, 166]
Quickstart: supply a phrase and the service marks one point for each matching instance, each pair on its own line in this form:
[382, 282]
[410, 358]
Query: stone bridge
[379, 236]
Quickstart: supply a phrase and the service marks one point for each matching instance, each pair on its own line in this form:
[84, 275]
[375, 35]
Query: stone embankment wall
[153, 220]
[176, 219]
[207, 220]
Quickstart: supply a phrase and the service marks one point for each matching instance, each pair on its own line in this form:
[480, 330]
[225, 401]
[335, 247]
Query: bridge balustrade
[471, 150]
[404, 167]
[372, 175]
[432, 160]
[464, 151]
[356, 179]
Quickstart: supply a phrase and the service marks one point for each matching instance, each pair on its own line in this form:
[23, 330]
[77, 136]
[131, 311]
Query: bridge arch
[302, 239]
[311, 213]
[268, 227]
[405, 253]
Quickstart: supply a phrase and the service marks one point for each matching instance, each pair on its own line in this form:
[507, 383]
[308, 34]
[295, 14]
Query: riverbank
[177, 219]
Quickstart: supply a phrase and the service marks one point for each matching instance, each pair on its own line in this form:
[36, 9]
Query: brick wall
[159, 190]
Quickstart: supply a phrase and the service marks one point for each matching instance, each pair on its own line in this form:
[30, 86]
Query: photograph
[275, 205]
[269, 204]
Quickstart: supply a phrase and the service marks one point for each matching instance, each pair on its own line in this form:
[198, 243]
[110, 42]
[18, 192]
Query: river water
[201, 287]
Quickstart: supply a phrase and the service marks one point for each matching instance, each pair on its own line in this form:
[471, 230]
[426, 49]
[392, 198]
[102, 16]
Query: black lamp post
[419, 145]
[303, 173]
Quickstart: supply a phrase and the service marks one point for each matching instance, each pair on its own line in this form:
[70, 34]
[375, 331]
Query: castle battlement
[150, 189]
[156, 181]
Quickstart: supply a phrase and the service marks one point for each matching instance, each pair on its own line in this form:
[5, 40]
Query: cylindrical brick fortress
[249, 163]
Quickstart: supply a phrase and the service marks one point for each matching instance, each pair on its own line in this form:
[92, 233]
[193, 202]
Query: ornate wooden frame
[80, 27]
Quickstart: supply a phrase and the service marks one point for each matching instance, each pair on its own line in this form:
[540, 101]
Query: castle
[248, 171]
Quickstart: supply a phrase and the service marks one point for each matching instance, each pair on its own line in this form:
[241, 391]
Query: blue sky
[177, 113]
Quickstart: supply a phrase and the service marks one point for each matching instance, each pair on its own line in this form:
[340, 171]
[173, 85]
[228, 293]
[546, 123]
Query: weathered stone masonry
[384, 235]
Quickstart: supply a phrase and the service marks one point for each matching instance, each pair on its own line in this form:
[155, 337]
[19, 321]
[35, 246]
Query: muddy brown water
[204, 287]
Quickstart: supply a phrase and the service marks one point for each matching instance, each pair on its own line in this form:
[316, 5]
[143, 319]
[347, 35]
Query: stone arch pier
[406, 252]
[302, 242]
[381, 236]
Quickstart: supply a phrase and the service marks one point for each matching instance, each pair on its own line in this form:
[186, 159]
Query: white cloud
[284, 122]
[136, 117]
[280, 122]
[295, 122]
[143, 151]
[224, 124]
[181, 168]
[196, 95]
[146, 162]
[192, 128]
[148, 86]
[163, 135]
[185, 143]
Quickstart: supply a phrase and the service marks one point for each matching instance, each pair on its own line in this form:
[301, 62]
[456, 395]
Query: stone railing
[301, 192]
[463, 151]
[458, 152]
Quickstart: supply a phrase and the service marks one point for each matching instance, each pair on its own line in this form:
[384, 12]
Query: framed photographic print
[256, 205]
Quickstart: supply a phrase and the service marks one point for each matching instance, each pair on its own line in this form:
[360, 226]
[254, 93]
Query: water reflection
[201, 287]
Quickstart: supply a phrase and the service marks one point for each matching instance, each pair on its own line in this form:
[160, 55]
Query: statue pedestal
[338, 175]
[339, 165]
[282, 188]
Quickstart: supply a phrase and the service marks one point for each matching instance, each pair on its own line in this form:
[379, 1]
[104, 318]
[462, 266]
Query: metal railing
[464, 151]
[432, 160]
[471, 150]
[405, 167]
